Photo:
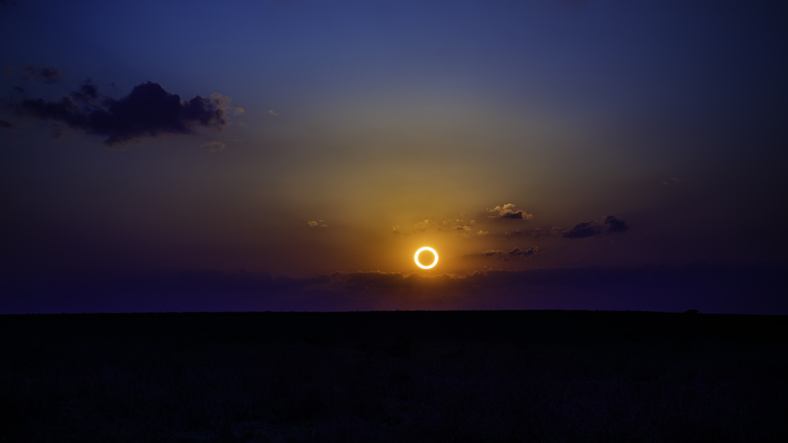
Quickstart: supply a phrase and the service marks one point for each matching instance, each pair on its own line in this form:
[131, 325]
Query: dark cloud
[582, 230]
[611, 224]
[148, 111]
[44, 74]
[516, 215]
[591, 228]
[6, 125]
[542, 233]
[64, 110]
[87, 93]
[615, 224]
[507, 211]
[517, 252]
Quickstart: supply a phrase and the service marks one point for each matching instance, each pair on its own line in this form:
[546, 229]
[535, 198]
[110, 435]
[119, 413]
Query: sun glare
[434, 262]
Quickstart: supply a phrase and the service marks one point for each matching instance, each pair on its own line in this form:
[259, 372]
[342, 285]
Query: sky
[294, 155]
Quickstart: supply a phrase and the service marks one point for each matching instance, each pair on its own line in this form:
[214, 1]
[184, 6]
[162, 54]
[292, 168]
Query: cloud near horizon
[147, 112]
[513, 254]
[645, 288]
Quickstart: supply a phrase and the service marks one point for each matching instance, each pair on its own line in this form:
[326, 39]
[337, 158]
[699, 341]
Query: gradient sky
[337, 137]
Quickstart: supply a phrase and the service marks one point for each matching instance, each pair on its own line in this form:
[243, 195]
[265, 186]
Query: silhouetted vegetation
[394, 376]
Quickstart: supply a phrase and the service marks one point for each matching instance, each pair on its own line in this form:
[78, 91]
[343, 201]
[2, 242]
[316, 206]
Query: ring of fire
[418, 263]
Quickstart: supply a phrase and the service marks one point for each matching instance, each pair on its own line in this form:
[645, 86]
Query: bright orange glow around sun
[430, 266]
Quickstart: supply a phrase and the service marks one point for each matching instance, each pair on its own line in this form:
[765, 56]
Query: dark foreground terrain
[394, 376]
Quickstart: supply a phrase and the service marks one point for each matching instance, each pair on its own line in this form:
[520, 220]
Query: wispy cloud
[214, 146]
[591, 228]
[507, 255]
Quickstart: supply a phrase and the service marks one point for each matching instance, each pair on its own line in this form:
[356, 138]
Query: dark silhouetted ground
[394, 376]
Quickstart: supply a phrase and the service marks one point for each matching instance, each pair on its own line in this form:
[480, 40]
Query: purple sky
[569, 154]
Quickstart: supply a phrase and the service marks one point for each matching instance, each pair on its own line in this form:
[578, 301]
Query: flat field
[394, 376]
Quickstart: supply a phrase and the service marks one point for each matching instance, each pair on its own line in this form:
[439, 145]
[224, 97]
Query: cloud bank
[708, 288]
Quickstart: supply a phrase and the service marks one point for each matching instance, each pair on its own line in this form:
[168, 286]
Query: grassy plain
[394, 376]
